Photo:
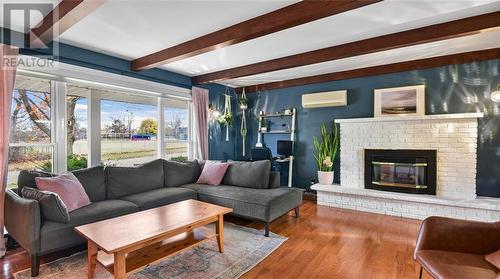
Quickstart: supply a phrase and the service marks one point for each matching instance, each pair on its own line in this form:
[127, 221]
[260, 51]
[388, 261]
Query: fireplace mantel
[412, 118]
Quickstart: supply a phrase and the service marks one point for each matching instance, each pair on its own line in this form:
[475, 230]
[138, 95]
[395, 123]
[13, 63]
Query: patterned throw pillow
[51, 205]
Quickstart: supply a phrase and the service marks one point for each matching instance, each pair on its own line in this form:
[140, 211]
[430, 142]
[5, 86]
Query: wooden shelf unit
[292, 115]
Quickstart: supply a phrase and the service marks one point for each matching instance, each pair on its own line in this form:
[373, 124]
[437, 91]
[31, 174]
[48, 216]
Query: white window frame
[189, 105]
[52, 143]
[62, 74]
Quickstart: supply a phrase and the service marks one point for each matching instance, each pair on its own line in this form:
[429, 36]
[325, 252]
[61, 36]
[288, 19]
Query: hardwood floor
[323, 243]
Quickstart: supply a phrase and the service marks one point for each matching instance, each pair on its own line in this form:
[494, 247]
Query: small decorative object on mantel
[326, 151]
[407, 101]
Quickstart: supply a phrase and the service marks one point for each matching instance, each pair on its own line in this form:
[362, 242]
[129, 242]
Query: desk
[284, 160]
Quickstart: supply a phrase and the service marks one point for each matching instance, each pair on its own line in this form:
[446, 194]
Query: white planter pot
[325, 177]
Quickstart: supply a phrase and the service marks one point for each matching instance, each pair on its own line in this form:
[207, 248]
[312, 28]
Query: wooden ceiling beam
[281, 19]
[436, 32]
[66, 14]
[419, 64]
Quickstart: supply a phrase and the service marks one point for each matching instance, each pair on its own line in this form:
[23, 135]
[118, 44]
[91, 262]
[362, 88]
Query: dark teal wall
[450, 89]
[219, 148]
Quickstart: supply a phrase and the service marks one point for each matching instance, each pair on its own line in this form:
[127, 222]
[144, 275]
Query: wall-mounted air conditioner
[325, 99]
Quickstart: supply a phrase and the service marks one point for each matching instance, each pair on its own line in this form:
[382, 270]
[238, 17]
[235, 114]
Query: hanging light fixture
[495, 95]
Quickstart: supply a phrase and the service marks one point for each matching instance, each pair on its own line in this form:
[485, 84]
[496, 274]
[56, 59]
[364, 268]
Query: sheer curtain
[8, 58]
[200, 103]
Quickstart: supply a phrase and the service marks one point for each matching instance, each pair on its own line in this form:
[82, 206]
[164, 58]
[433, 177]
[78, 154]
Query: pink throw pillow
[68, 187]
[212, 173]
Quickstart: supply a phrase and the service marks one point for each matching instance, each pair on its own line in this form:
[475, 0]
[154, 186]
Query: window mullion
[59, 138]
[160, 134]
[94, 128]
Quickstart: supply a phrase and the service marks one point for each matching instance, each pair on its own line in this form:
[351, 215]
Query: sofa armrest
[446, 234]
[274, 180]
[23, 221]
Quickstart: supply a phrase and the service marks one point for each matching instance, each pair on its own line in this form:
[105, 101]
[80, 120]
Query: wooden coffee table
[129, 242]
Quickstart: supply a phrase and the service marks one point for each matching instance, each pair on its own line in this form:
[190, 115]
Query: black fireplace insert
[401, 170]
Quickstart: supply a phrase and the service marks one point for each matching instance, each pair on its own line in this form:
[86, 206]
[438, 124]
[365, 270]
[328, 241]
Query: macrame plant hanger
[227, 110]
[243, 129]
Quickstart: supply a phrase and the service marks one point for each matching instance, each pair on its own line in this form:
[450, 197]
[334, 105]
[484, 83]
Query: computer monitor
[285, 148]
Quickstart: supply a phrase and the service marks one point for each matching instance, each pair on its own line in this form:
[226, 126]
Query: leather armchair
[451, 248]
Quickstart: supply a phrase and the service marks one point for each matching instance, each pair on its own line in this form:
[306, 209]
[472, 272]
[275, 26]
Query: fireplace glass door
[400, 174]
[401, 170]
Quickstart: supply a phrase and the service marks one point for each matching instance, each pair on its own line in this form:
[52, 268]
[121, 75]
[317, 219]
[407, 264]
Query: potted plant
[326, 151]
[243, 102]
[264, 125]
[225, 119]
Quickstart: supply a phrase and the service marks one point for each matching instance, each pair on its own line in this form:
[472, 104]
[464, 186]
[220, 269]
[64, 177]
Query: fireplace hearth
[401, 170]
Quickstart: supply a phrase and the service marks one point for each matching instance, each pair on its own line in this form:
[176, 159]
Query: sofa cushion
[446, 264]
[51, 205]
[93, 181]
[68, 187]
[261, 204]
[177, 173]
[248, 174]
[124, 181]
[159, 197]
[26, 178]
[55, 235]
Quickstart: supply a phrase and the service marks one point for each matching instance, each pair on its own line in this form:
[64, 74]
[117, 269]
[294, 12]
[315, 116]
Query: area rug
[243, 249]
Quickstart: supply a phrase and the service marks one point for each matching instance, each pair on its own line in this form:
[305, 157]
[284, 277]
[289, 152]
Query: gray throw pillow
[51, 205]
[177, 173]
[248, 174]
[26, 178]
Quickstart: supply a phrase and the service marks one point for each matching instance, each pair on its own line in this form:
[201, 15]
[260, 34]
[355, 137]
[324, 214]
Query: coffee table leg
[220, 232]
[119, 268]
[91, 258]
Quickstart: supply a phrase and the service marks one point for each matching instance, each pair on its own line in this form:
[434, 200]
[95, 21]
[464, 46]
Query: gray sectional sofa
[249, 188]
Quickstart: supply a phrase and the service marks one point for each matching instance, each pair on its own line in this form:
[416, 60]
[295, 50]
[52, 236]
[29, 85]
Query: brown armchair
[451, 248]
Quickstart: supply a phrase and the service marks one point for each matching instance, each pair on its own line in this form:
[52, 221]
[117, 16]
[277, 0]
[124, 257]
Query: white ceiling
[480, 41]
[385, 17]
[132, 28]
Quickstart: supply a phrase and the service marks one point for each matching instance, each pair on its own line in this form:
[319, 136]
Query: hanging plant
[243, 103]
[225, 119]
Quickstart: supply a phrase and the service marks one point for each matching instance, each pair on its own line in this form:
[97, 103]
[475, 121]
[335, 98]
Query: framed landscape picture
[398, 101]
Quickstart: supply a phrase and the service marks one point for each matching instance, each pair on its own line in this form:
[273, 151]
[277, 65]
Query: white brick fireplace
[453, 136]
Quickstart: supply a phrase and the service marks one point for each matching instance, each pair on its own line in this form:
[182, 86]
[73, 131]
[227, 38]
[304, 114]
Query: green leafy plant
[264, 123]
[243, 102]
[225, 119]
[74, 162]
[326, 150]
[181, 159]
